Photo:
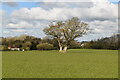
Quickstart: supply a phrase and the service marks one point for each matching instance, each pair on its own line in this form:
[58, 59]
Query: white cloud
[10, 4]
[1, 14]
[6, 32]
[104, 27]
[21, 24]
[104, 23]
[19, 30]
[57, 0]
[48, 5]
[101, 16]
[100, 11]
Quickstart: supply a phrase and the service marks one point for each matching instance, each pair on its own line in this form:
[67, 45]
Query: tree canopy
[67, 31]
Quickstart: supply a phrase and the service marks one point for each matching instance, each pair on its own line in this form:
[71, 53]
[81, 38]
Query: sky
[31, 17]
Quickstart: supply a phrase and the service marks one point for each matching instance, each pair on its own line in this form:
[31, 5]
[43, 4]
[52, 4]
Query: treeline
[32, 43]
[112, 43]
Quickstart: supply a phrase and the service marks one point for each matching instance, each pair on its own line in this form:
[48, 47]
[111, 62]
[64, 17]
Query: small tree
[66, 31]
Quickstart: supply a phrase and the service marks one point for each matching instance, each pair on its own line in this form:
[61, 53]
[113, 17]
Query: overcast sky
[31, 18]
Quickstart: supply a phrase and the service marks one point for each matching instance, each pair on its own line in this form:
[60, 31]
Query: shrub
[74, 45]
[45, 46]
[26, 48]
[3, 48]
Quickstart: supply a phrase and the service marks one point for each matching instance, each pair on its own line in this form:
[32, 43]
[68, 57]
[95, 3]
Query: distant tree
[50, 41]
[105, 43]
[33, 46]
[74, 45]
[25, 48]
[3, 48]
[67, 31]
[28, 44]
[1, 41]
[18, 43]
[45, 46]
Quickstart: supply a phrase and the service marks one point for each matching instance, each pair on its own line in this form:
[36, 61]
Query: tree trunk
[60, 46]
[60, 49]
[65, 49]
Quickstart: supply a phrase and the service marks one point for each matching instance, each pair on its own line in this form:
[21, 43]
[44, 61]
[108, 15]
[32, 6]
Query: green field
[76, 63]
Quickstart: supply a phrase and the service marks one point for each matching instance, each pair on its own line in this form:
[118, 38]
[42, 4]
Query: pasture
[76, 63]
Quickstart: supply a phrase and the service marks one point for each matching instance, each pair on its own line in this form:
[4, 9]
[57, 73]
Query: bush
[74, 45]
[45, 46]
[26, 48]
[3, 48]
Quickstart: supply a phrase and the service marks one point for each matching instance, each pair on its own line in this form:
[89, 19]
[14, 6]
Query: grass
[76, 63]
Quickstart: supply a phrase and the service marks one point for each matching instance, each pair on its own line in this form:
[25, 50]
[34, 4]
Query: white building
[14, 48]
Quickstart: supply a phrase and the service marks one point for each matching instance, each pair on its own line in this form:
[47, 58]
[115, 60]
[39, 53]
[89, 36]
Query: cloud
[1, 14]
[104, 27]
[10, 4]
[21, 24]
[101, 16]
[100, 11]
[48, 5]
[6, 32]
[58, 0]
[24, 0]
[19, 30]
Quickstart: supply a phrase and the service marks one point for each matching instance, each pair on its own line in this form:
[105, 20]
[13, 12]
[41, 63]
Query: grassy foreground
[76, 63]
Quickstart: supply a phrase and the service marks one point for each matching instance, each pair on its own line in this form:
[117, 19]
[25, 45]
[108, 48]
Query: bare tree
[66, 31]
